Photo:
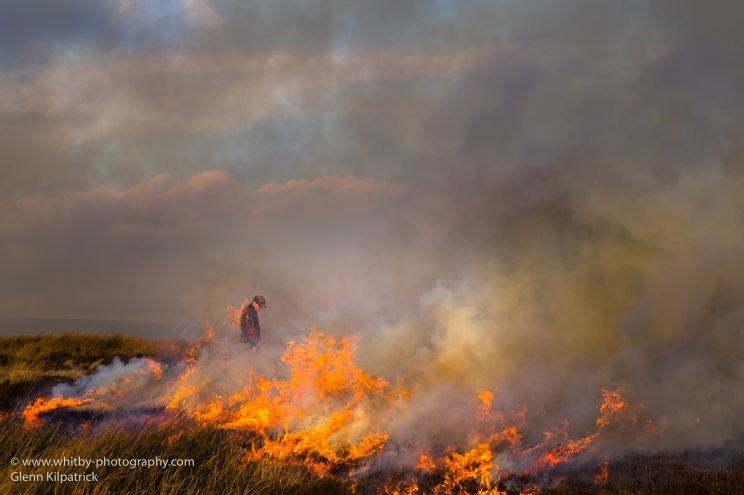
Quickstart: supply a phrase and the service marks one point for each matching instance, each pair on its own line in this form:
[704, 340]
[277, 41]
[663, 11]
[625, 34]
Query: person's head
[259, 303]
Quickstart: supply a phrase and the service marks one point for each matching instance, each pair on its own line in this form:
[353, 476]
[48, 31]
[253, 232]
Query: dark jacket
[249, 326]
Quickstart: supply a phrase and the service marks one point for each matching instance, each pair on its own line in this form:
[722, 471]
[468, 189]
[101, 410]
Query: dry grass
[28, 364]
[216, 453]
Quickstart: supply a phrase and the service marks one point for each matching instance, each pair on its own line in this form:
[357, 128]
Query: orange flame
[604, 473]
[32, 412]
[183, 390]
[154, 368]
[612, 405]
[426, 464]
[475, 464]
[305, 418]
[485, 399]
[232, 313]
[475, 467]
[614, 412]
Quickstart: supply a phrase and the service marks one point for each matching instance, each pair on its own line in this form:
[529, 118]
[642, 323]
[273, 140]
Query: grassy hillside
[28, 364]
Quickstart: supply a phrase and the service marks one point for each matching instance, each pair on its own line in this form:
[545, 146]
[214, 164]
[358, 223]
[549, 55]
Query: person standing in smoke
[250, 329]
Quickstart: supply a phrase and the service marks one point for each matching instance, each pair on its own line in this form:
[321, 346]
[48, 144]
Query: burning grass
[317, 426]
[323, 414]
[28, 364]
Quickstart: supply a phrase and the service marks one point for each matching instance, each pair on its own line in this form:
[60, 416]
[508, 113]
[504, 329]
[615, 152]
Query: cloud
[453, 102]
[101, 251]
[71, 125]
[202, 14]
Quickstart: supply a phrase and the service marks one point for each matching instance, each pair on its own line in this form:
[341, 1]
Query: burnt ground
[700, 472]
[714, 472]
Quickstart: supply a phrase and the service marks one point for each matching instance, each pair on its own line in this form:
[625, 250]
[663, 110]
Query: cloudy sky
[161, 160]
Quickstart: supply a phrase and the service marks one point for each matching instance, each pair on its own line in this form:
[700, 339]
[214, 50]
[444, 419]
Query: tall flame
[307, 416]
